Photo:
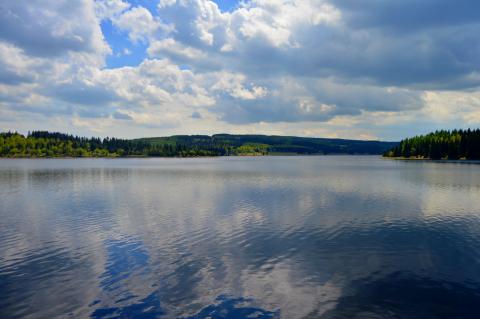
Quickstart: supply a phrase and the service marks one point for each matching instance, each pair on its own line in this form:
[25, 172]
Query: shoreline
[140, 156]
[426, 159]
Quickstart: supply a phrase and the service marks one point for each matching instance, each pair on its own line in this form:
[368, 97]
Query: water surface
[250, 237]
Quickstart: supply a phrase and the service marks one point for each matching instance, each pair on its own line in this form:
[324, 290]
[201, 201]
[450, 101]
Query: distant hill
[228, 144]
[53, 144]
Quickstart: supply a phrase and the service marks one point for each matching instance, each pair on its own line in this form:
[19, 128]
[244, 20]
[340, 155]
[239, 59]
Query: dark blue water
[265, 237]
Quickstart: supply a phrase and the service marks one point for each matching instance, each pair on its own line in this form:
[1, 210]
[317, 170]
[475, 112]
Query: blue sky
[119, 42]
[334, 68]
[125, 53]
[226, 5]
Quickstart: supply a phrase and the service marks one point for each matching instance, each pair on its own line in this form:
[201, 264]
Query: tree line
[48, 144]
[53, 144]
[444, 144]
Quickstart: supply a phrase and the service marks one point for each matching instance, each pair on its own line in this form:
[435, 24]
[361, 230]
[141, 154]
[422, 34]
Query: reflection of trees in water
[282, 236]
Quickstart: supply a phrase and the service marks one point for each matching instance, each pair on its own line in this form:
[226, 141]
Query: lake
[239, 237]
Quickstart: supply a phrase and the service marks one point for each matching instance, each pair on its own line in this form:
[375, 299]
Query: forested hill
[48, 144]
[452, 145]
[267, 144]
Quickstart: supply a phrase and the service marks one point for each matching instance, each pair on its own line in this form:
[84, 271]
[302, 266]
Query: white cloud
[460, 107]
[107, 9]
[295, 66]
[277, 21]
[139, 23]
[50, 28]
[173, 48]
[234, 84]
[15, 67]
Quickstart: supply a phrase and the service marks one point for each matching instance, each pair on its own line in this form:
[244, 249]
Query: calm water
[265, 237]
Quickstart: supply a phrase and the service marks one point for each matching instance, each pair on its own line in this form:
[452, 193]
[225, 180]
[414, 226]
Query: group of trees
[456, 144]
[228, 144]
[52, 144]
[46, 144]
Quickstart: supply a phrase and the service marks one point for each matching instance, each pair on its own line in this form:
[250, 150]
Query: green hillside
[227, 144]
[52, 144]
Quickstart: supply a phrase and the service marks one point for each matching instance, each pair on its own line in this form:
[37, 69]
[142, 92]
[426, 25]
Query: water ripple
[303, 237]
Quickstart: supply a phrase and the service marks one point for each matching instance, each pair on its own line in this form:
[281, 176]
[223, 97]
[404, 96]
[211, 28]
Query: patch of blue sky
[148, 4]
[227, 5]
[224, 5]
[124, 52]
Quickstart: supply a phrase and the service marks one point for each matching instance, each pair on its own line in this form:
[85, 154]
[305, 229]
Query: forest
[451, 145]
[54, 144]
[276, 145]
[47, 144]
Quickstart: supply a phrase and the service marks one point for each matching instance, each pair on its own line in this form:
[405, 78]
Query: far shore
[426, 159]
[275, 154]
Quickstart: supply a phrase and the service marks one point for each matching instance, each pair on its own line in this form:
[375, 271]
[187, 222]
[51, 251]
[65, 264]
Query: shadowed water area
[250, 237]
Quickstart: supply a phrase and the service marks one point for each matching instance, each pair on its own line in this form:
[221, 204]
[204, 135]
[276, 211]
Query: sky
[370, 69]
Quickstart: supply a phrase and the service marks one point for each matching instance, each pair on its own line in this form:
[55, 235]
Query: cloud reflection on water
[289, 237]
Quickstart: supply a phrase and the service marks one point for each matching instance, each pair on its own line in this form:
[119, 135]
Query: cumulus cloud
[308, 63]
[176, 51]
[51, 27]
[15, 67]
[108, 9]
[139, 23]
[318, 38]
[196, 22]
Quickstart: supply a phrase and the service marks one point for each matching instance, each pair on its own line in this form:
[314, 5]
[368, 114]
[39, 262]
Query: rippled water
[264, 237]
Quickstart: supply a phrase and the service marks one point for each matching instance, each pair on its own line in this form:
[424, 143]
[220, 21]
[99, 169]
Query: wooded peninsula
[38, 144]
[450, 145]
